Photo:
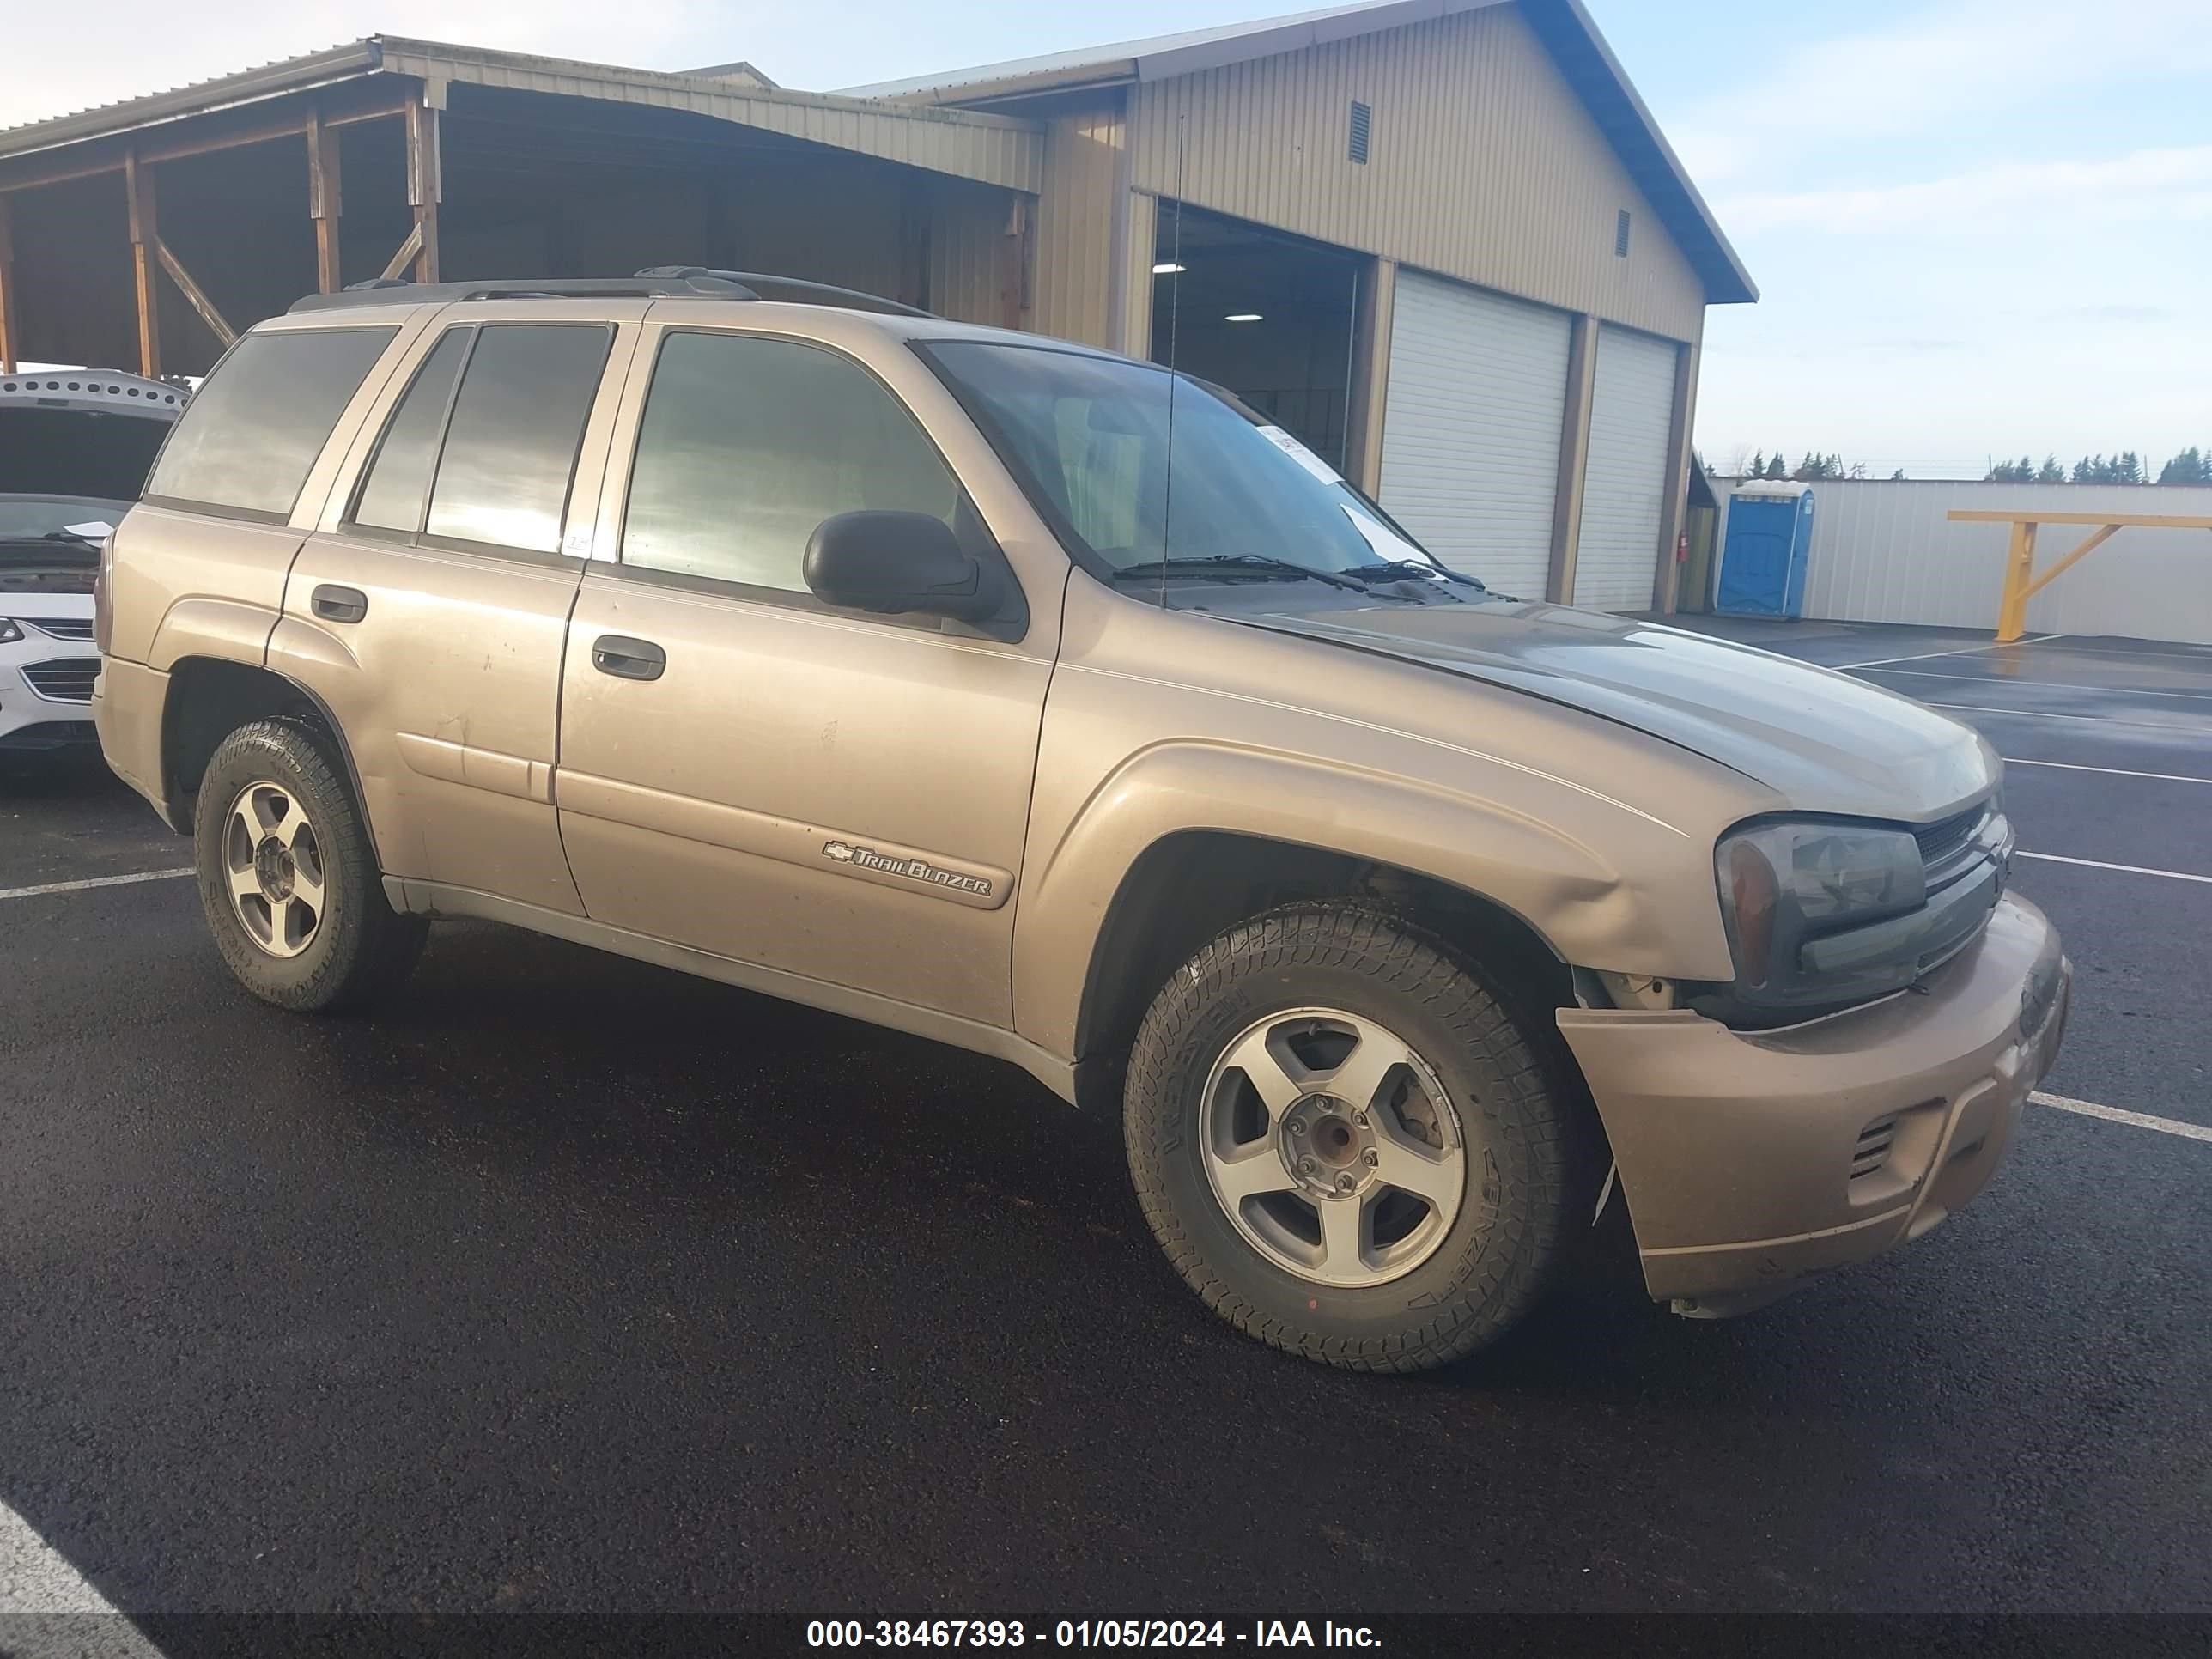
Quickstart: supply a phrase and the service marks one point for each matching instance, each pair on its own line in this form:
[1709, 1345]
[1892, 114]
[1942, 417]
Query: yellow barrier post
[2021, 584]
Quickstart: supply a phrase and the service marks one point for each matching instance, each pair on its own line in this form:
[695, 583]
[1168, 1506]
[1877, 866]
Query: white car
[75, 448]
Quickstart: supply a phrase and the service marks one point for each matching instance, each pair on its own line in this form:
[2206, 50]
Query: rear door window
[398, 486]
[510, 447]
[247, 439]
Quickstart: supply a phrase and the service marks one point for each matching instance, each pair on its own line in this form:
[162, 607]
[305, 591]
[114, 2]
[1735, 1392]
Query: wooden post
[1370, 375]
[9, 323]
[1666, 586]
[325, 203]
[138, 186]
[425, 186]
[1574, 457]
[2020, 571]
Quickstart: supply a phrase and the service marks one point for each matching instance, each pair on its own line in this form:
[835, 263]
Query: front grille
[66, 680]
[63, 627]
[1873, 1149]
[1940, 841]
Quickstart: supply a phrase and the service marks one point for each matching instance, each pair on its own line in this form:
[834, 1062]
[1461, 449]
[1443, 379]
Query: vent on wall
[1620, 236]
[1362, 119]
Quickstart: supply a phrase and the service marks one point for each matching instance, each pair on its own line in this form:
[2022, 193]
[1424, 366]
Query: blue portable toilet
[1770, 540]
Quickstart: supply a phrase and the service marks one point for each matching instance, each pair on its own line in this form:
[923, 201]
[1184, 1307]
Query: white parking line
[2051, 685]
[2165, 1126]
[96, 881]
[2108, 771]
[2091, 719]
[51, 1609]
[2126, 869]
[1924, 656]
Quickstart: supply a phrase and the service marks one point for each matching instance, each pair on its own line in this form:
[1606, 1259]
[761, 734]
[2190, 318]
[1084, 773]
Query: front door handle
[335, 603]
[627, 658]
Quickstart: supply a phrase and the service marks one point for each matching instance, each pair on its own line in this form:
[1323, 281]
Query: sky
[1980, 228]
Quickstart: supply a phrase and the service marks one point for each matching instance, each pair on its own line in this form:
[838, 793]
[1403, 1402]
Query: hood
[1825, 741]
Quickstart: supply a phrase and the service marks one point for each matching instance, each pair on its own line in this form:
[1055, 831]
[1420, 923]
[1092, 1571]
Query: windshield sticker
[1298, 452]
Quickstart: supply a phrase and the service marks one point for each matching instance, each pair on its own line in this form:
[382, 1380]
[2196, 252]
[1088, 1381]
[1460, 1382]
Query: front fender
[1588, 905]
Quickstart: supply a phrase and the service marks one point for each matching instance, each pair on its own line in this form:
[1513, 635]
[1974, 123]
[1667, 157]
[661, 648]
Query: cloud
[2148, 183]
[1943, 65]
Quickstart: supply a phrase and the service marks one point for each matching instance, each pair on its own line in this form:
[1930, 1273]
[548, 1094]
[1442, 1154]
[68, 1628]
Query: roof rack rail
[752, 279]
[658, 283]
[393, 290]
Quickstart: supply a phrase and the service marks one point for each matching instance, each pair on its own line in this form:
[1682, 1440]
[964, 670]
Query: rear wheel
[1347, 1143]
[287, 876]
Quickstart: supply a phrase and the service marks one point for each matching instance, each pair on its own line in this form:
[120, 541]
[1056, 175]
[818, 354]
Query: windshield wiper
[1216, 563]
[69, 535]
[1414, 568]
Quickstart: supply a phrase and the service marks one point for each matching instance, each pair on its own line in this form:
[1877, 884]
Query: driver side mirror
[895, 564]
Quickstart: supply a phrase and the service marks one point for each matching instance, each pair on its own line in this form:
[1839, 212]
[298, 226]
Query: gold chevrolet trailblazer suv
[1055, 706]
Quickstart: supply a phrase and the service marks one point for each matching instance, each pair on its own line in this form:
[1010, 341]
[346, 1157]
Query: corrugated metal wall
[1075, 236]
[1885, 552]
[1470, 111]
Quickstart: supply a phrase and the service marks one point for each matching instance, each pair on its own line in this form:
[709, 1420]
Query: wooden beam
[2146, 521]
[325, 205]
[92, 157]
[193, 293]
[408, 249]
[425, 187]
[2095, 539]
[10, 323]
[145, 239]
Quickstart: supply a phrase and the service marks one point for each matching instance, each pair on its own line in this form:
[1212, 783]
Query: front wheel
[1346, 1142]
[288, 875]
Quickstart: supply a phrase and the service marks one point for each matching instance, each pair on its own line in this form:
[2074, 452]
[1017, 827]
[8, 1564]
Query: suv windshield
[1089, 439]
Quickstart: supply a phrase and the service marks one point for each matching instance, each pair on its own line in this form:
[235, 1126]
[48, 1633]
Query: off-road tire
[363, 948]
[1533, 1149]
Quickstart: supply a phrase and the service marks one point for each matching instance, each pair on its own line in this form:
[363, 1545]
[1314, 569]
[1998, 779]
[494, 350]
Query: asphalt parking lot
[567, 1283]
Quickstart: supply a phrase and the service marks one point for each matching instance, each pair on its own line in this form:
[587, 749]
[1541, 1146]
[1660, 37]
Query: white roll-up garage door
[1477, 391]
[1625, 479]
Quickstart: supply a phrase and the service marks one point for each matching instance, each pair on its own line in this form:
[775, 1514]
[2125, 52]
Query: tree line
[2191, 466]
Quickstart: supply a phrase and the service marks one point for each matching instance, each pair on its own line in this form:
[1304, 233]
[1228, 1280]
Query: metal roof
[994, 148]
[1565, 27]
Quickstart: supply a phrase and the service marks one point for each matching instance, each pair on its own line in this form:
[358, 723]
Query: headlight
[1790, 882]
[10, 634]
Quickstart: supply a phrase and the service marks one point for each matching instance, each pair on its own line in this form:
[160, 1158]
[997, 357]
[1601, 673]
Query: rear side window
[398, 483]
[247, 442]
[748, 444]
[503, 476]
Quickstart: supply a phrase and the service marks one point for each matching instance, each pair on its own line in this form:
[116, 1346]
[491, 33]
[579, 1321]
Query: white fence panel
[1884, 552]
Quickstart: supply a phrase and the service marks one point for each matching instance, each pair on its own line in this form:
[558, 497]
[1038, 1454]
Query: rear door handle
[335, 603]
[627, 658]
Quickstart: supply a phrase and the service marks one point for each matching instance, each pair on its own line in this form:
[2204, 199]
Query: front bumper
[29, 719]
[1751, 1159]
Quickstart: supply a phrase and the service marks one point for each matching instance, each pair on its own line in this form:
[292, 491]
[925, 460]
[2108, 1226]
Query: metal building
[1441, 241]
